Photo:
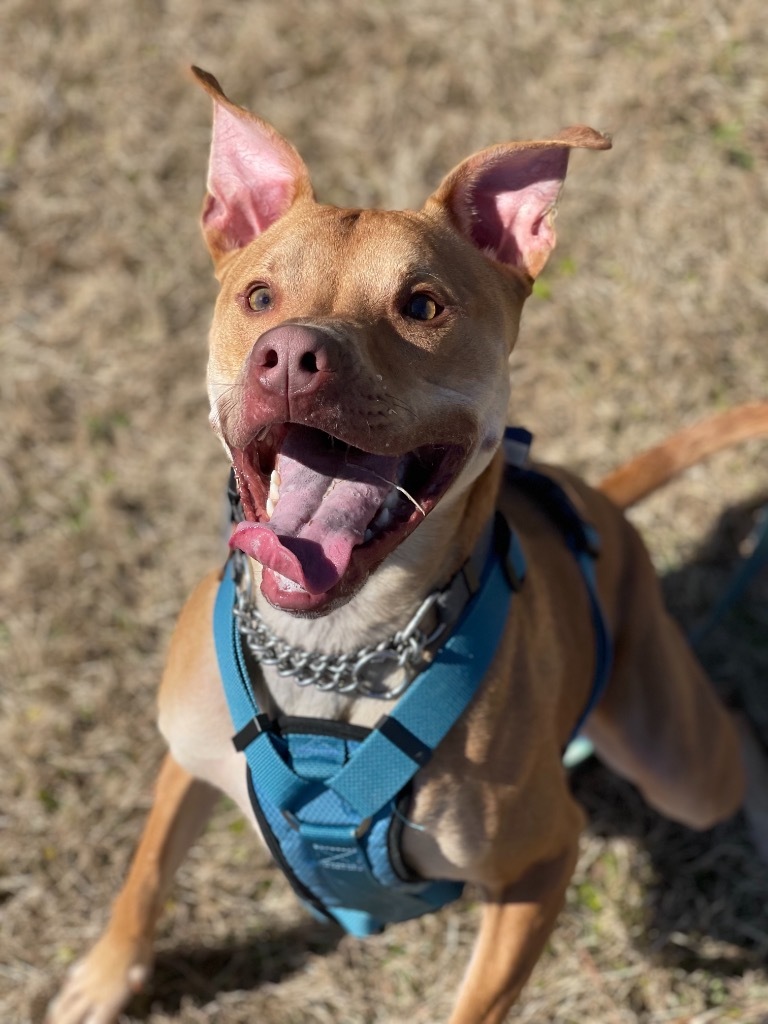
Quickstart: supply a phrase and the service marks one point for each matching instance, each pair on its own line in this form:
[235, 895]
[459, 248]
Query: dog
[358, 381]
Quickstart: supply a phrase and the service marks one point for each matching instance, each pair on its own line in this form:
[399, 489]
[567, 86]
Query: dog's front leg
[101, 983]
[516, 922]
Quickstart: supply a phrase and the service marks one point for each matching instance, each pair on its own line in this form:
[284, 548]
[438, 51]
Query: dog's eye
[421, 307]
[259, 297]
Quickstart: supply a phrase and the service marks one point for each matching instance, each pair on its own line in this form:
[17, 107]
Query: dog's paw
[98, 986]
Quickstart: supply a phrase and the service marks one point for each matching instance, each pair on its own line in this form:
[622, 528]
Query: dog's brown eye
[421, 307]
[259, 297]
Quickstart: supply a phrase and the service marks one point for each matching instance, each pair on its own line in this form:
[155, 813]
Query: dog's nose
[292, 359]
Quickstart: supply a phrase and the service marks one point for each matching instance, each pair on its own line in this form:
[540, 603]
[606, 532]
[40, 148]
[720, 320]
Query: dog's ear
[503, 199]
[254, 174]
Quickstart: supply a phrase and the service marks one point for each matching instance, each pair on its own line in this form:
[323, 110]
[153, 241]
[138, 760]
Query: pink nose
[292, 359]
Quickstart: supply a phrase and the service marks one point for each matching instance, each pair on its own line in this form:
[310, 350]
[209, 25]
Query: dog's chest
[281, 695]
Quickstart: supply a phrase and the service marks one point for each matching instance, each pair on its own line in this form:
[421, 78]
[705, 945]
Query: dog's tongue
[328, 496]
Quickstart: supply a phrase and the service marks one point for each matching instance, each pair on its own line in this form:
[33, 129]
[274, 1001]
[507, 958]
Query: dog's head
[358, 361]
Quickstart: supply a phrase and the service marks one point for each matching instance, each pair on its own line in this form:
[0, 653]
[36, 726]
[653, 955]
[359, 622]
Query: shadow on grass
[203, 973]
[735, 651]
[707, 900]
[706, 894]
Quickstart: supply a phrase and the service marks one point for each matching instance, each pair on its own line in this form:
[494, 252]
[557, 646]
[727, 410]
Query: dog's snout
[292, 359]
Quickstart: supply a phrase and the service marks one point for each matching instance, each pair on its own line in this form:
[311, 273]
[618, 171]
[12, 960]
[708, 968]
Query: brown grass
[653, 312]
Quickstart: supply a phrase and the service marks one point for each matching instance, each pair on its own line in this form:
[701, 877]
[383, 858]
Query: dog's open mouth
[321, 513]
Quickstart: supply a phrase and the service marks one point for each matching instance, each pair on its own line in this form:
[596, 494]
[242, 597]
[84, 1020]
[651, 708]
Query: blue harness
[330, 798]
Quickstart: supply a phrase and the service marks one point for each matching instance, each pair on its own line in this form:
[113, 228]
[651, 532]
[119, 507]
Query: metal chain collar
[362, 672]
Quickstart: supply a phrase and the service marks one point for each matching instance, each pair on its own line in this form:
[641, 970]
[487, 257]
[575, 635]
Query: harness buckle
[251, 730]
[291, 819]
[326, 833]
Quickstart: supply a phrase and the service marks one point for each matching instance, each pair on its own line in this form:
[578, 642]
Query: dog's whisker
[398, 487]
[410, 498]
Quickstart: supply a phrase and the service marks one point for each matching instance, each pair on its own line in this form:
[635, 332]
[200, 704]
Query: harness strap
[229, 651]
[252, 728]
[603, 641]
[584, 542]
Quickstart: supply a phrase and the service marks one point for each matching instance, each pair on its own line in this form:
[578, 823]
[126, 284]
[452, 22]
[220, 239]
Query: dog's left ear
[254, 174]
[503, 199]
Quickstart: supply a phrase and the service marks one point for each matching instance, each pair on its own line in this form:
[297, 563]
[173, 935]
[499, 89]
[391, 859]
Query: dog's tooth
[274, 486]
[368, 535]
[383, 519]
[270, 506]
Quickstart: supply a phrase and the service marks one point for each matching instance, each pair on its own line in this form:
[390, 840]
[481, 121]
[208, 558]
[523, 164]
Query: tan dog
[391, 332]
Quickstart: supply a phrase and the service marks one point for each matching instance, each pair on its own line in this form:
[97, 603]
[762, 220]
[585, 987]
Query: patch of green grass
[730, 138]
[102, 427]
[48, 800]
[64, 954]
[589, 897]
[79, 508]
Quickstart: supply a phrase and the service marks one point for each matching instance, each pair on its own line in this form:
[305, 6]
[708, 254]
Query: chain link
[360, 672]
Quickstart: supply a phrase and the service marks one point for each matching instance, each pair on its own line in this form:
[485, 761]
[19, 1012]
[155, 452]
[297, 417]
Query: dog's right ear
[254, 175]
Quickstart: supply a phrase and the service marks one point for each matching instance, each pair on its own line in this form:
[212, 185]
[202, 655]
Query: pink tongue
[328, 496]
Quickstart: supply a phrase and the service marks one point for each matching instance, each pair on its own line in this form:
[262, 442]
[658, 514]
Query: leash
[584, 542]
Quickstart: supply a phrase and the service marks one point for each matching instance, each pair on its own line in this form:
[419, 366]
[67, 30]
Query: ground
[652, 313]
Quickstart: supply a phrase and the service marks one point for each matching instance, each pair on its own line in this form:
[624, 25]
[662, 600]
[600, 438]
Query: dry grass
[653, 312]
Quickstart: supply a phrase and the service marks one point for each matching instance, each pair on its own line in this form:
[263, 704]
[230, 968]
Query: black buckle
[402, 738]
[257, 725]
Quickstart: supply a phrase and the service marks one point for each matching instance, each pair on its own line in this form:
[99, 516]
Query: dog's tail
[651, 469]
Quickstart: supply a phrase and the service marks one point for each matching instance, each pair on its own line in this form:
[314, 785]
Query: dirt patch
[652, 313]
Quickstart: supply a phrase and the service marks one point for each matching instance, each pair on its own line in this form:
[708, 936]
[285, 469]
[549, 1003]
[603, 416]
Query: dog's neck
[390, 597]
